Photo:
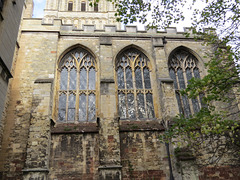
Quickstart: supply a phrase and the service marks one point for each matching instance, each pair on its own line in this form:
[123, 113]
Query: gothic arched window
[182, 67]
[135, 98]
[77, 91]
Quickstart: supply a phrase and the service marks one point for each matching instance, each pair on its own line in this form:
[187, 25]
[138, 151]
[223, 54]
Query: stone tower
[78, 12]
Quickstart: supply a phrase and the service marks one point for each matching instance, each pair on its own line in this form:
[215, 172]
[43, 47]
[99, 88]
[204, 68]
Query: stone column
[36, 165]
[109, 150]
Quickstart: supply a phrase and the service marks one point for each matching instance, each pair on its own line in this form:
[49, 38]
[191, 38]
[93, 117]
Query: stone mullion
[135, 91]
[77, 94]
[68, 93]
[186, 83]
[144, 93]
[87, 94]
[126, 93]
[178, 89]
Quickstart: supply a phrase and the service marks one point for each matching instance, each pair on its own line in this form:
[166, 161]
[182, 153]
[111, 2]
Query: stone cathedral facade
[88, 99]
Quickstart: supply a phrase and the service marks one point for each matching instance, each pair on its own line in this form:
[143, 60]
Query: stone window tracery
[135, 97]
[182, 67]
[77, 91]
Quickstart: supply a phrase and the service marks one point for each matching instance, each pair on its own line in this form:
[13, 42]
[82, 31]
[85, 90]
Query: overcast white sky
[39, 5]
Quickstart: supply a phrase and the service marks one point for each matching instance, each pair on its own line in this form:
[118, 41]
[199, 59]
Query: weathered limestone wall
[143, 156]
[35, 60]
[74, 156]
[35, 145]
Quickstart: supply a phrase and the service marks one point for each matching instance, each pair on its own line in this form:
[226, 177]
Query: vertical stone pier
[36, 165]
[109, 150]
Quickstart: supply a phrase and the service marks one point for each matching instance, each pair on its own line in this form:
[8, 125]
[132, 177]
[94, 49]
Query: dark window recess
[83, 6]
[135, 100]
[96, 7]
[182, 67]
[70, 6]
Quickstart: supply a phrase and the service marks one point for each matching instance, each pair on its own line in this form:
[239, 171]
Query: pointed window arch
[183, 65]
[135, 95]
[77, 87]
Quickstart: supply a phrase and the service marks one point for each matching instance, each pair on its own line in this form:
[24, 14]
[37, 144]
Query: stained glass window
[135, 99]
[77, 91]
[182, 67]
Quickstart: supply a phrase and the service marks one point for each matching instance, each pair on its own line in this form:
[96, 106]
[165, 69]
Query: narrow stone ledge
[110, 167]
[49, 80]
[127, 126]
[107, 81]
[70, 128]
[35, 170]
[166, 80]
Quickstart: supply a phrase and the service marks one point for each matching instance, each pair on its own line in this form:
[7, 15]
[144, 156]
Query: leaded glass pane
[91, 107]
[196, 73]
[186, 106]
[92, 79]
[147, 80]
[73, 79]
[83, 79]
[64, 79]
[141, 108]
[188, 74]
[82, 108]
[62, 107]
[131, 107]
[173, 76]
[181, 78]
[129, 78]
[71, 107]
[138, 78]
[150, 108]
[179, 103]
[120, 76]
[122, 105]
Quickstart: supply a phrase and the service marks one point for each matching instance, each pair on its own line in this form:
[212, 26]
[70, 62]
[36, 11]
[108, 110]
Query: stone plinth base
[35, 174]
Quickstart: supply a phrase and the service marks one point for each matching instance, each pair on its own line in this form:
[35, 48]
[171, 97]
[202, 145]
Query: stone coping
[140, 125]
[125, 126]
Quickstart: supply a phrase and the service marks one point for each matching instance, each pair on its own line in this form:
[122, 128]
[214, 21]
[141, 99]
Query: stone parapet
[56, 25]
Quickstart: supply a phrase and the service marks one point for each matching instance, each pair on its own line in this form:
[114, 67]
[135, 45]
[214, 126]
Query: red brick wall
[220, 173]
